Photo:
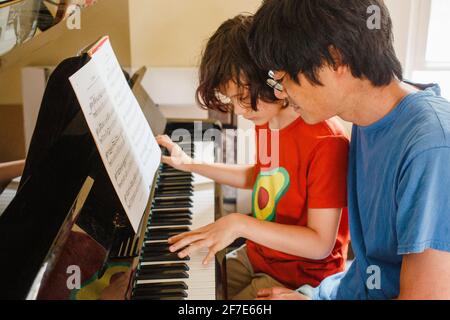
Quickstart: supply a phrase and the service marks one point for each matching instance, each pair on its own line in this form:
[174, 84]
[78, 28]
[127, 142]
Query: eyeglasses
[274, 84]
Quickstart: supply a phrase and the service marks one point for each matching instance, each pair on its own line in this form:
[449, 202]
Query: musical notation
[122, 134]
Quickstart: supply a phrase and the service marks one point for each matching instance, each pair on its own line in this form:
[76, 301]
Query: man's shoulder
[427, 123]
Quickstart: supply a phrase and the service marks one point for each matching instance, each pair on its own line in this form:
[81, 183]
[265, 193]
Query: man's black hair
[300, 36]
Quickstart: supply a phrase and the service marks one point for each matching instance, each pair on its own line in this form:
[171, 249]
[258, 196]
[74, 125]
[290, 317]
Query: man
[328, 59]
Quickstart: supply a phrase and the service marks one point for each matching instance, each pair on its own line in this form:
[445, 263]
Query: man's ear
[339, 65]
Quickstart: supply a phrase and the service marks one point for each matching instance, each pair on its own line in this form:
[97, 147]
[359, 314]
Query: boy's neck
[283, 119]
[369, 104]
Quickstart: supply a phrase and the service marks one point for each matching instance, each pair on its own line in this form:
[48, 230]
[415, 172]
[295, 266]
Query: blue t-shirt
[399, 196]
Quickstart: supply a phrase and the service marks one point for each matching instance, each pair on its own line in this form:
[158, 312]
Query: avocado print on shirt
[269, 188]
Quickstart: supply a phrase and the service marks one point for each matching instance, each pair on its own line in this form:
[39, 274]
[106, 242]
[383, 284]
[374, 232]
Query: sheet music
[124, 139]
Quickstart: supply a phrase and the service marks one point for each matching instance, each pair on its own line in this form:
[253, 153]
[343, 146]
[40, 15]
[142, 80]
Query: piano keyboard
[182, 202]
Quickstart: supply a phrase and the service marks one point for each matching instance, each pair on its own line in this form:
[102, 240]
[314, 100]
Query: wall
[49, 48]
[172, 33]
[401, 11]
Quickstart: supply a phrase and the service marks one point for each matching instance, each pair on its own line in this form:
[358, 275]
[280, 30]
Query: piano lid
[61, 238]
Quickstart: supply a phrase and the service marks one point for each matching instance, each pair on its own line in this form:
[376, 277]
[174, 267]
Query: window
[430, 45]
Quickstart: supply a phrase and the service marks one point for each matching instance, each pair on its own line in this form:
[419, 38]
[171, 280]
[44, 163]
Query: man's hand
[178, 158]
[215, 237]
[278, 293]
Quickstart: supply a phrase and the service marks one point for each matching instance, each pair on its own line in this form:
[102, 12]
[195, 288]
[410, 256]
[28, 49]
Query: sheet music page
[124, 139]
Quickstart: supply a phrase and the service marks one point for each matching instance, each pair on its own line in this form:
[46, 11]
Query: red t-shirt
[309, 172]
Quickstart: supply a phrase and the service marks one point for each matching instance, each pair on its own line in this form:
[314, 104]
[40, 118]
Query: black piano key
[172, 205]
[162, 186]
[175, 184]
[154, 257]
[174, 193]
[163, 189]
[166, 168]
[154, 236]
[179, 196]
[159, 217]
[146, 292]
[175, 174]
[164, 266]
[159, 286]
[168, 206]
[186, 214]
[155, 250]
[159, 295]
[162, 296]
[184, 222]
[168, 211]
[187, 179]
[163, 234]
[172, 212]
[170, 201]
[174, 215]
[156, 247]
[166, 274]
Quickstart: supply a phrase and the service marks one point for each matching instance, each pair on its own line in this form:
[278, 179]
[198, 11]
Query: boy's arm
[315, 241]
[238, 176]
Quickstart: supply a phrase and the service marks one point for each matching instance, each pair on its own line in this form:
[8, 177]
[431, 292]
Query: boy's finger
[165, 142]
[191, 249]
[211, 253]
[185, 241]
[166, 160]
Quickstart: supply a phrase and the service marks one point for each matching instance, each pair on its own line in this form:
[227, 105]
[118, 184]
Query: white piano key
[202, 278]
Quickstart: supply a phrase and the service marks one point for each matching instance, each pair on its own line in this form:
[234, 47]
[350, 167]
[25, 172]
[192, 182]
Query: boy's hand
[215, 237]
[178, 158]
[277, 293]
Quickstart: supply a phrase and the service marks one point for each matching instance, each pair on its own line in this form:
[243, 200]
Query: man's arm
[425, 276]
[11, 170]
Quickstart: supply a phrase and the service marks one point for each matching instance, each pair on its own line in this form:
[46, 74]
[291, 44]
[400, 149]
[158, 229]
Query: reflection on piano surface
[67, 214]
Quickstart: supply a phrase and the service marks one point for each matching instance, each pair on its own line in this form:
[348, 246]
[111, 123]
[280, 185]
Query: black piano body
[65, 189]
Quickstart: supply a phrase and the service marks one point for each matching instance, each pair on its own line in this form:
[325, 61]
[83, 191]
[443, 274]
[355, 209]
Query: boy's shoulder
[329, 135]
[330, 131]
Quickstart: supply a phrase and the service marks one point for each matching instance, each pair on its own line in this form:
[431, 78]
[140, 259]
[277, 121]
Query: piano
[67, 214]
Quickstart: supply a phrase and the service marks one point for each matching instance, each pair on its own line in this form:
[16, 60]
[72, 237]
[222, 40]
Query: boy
[296, 235]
